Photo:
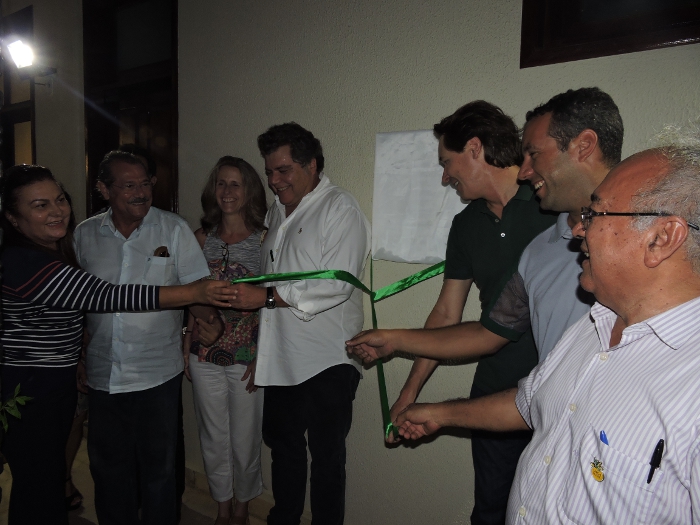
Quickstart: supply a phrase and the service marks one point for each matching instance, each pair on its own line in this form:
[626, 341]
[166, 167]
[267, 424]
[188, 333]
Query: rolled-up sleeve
[344, 246]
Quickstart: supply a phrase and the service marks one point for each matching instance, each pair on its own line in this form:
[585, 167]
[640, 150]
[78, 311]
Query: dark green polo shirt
[483, 247]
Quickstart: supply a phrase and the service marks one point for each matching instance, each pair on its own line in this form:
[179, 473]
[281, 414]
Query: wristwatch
[270, 301]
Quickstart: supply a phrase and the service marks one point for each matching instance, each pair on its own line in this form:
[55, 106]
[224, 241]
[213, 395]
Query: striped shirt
[642, 390]
[43, 304]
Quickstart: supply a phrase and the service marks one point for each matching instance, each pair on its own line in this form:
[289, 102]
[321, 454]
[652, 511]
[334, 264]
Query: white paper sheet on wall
[412, 212]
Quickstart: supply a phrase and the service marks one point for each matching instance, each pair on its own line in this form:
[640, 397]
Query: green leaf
[3, 420]
[16, 390]
[13, 411]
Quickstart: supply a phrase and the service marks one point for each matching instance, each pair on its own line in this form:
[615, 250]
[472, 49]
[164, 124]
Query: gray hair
[677, 193]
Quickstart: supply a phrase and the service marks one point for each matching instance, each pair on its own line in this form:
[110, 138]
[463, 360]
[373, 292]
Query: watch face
[270, 301]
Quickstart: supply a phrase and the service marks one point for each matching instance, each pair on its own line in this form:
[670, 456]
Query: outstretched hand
[418, 420]
[371, 345]
[216, 293]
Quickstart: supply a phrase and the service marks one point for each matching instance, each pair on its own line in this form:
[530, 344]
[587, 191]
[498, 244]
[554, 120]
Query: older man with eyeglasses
[614, 408]
[134, 360]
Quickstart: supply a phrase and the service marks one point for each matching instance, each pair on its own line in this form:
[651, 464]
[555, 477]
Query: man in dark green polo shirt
[480, 152]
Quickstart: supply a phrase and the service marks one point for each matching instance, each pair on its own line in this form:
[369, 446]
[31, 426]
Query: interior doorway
[130, 68]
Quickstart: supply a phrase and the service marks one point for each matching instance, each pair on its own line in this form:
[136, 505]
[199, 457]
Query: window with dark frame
[554, 31]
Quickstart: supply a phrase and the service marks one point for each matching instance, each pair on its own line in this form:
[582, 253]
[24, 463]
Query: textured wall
[60, 128]
[347, 70]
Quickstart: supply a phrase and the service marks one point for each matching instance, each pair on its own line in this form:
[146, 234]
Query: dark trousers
[132, 441]
[495, 456]
[35, 449]
[322, 408]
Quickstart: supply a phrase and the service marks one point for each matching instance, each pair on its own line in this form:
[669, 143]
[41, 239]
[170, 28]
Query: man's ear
[474, 147]
[584, 144]
[663, 240]
[154, 179]
[103, 189]
[313, 169]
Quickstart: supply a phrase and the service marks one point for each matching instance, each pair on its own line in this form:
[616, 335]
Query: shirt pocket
[160, 271]
[621, 497]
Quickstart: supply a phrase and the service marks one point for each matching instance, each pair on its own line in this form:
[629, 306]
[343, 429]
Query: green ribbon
[374, 296]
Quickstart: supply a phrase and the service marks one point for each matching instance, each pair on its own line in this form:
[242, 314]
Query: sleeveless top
[239, 341]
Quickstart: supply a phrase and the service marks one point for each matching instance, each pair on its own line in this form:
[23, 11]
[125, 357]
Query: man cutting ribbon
[309, 379]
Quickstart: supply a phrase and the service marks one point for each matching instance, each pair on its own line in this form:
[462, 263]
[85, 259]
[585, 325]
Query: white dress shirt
[130, 352]
[642, 390]
[327, 231]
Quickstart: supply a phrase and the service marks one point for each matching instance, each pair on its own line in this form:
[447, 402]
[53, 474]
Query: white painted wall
[347, 70]
[60, 122]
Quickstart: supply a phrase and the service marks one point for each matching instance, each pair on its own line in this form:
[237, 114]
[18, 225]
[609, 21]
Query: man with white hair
[615, 407]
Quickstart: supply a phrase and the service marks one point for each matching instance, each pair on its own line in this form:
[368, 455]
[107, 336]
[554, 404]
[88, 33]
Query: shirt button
[118, 314]
[125, 265]
[572, 407]
[603, 357]
[547, 460]
[522, 512]
[498, 220]
[503, 234]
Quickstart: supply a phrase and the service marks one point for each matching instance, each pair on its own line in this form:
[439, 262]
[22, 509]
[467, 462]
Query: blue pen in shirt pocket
[603, 437]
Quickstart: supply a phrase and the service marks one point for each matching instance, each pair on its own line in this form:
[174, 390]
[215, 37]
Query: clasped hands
[226, 295]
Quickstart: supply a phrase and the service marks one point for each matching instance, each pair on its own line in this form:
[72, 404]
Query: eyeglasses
[224, 257]
[587, 215]
[130, 187]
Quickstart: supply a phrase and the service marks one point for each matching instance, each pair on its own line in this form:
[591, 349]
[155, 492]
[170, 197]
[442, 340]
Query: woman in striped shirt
[44, 295]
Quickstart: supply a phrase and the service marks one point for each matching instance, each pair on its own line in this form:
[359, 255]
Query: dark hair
[303, 146]
[255, 206]
[12, 181]
[134, 149]
[585, 108]
[105, 175]
[496, 131]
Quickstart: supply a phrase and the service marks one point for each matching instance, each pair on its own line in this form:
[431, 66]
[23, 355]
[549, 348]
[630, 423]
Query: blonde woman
[227, 403]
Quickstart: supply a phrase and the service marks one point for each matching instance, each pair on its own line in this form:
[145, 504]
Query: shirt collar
[524, 193]
[151, 219]
[561, 229]
[673, 327]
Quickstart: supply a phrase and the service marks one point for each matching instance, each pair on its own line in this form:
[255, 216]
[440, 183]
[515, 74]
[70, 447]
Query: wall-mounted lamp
[23, 57]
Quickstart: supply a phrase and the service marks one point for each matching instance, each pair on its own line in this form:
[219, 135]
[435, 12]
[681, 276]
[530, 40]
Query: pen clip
[655, 461]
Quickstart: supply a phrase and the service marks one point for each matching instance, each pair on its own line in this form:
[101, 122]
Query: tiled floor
[198, 507]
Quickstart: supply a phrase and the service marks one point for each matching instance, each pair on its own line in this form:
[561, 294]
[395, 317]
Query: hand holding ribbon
[375, 296]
